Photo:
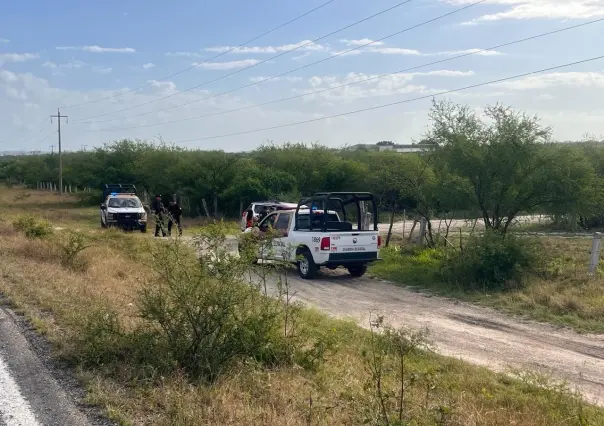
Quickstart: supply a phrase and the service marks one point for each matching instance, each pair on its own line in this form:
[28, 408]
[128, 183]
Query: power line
[473, 86]
[475, 52]
[207, 60]
[36, 127]
[44, 138]
[256, 64]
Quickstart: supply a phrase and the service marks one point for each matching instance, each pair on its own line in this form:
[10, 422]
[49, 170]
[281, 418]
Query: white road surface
[14, 408]
[32, 392]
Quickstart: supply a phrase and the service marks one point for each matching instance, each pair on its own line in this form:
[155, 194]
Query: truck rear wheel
[306, 266]
[357, 270]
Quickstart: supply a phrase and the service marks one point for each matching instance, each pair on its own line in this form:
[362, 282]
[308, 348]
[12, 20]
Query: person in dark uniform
[174, 215]
[158, 210]
[263, 213]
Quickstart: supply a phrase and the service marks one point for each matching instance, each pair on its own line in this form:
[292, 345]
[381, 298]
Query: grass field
[59, 294]
[563, 293]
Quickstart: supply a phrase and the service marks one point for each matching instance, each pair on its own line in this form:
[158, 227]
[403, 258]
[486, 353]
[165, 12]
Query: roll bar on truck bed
[320, 201]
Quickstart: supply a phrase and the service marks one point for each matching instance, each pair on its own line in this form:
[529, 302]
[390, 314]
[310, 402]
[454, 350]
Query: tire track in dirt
[476, 334]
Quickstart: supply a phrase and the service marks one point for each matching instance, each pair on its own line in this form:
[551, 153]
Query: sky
[342, 74]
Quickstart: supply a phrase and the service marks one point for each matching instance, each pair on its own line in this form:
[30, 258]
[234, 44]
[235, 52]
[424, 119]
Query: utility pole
[58, 117]
[52, 149]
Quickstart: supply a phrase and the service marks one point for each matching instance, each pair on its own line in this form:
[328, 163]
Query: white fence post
[596, 246]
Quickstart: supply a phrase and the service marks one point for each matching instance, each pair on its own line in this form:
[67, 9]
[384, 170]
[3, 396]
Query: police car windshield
[132, 203]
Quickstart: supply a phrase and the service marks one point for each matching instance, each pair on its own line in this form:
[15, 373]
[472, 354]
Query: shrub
[492, 261]
[197, 315]
[71, 251]
[32, 227]
[203, 315]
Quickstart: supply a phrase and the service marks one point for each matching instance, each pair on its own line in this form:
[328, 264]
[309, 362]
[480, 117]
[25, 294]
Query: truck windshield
[121, 203]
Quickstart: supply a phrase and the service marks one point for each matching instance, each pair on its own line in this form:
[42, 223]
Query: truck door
[266, 249]
[280, 242]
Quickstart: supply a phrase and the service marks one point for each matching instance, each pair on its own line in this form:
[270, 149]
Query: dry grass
[565, 294]
[58, 299]
[562, 293]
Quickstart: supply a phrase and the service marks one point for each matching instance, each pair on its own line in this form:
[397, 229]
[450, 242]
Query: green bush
[492, 261]
[71, 251]
[32, 227]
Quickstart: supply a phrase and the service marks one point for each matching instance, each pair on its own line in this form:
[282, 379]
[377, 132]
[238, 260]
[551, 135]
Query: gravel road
[475, 334]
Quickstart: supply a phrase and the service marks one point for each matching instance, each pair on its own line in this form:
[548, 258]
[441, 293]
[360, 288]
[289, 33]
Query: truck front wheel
[357, 270]
[306, 266]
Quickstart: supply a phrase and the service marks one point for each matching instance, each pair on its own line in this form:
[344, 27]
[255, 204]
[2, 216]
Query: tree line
[495, 166]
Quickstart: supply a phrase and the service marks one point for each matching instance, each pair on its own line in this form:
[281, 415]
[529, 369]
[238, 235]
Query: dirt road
[475, 334]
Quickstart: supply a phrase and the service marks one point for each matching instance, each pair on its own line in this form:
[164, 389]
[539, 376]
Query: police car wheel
[307, 269]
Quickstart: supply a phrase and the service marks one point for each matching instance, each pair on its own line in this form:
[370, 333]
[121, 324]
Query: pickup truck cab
[318, 237]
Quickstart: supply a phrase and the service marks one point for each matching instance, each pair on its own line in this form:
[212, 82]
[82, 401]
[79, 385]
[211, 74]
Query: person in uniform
[174, 215]
[158, 211]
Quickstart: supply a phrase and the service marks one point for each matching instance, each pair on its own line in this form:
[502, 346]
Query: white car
[257, 208]
[125, 211]
[313, 238]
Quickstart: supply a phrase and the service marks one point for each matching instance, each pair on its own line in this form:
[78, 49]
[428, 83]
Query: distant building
[389, 146]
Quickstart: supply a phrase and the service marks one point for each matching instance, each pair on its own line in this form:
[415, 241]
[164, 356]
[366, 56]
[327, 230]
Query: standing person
[264, 213]
[174, 215]
[249, 219]
[158, 210]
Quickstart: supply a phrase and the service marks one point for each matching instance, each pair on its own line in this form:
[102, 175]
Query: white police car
[125, 211]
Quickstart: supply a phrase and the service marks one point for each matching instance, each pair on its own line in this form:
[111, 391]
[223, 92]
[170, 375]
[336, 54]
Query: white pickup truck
[314, 238]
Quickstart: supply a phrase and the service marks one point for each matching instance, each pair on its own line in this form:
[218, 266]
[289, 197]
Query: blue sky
[83, 52]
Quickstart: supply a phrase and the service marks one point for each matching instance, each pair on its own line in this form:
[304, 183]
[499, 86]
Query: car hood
[125, 210]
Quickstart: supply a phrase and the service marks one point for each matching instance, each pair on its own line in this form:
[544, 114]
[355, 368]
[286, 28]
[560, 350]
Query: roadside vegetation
[544, 278]
[161, 338]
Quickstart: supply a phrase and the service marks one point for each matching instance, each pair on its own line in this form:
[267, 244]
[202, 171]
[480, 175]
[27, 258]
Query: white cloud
[289, 79]
[164, 87]
[148, 65]
[17, 57]
[539, 9]
[98, 49]
[269, 49]
[104, 70]
[477, 52]
[4, 40]
[226, 65]
[361, 42]
[395, 51]
[302, 56]
[556, 80]
[367, 85]
[413, 52]
[57, 69]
